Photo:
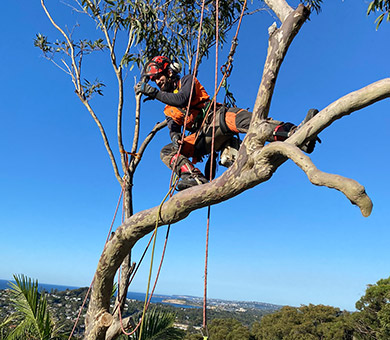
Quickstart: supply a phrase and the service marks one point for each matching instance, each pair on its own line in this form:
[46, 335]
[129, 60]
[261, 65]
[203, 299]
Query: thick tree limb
[344, 106]
[278, 44]
[115, 329]
[350, 188]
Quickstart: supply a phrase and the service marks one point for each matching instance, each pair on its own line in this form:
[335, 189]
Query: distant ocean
[48, 287]
[131, 295]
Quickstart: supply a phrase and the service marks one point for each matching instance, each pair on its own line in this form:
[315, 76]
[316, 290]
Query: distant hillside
[175, 300]
[65, 304]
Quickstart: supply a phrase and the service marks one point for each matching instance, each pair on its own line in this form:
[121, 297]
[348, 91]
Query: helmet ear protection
[175, 67]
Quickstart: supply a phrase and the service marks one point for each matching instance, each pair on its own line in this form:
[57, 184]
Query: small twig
[61, 68]
[72, 7]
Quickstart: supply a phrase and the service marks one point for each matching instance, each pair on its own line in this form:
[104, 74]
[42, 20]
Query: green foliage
[41, 42]
[228, 329]
[31, 319]
[154, 27]
[373, 319]
[158, 325]
[197, 336]
[165, 27]
[91, 88]
[313, 4]
[381, 6]
[304, 323]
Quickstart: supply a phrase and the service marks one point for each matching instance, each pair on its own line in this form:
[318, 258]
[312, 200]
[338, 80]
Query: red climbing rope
[226, 70]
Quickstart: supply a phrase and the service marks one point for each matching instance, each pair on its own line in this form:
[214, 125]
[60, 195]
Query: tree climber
[175, 93]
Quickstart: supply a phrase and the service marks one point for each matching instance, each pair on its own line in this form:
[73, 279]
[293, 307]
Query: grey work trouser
[203, 144]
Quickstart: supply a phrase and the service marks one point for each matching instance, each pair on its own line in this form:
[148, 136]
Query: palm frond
[31, 308]
[158, 325]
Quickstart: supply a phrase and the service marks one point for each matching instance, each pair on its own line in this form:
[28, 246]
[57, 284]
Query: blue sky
[283, 242]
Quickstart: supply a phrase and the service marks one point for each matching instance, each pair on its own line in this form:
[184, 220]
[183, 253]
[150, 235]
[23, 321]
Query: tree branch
[278, 44]
[350, 188]
[280, 7]
[104, 136]
[118, 73]
[137, 123]
[344, 106]
[135, 160]
[76, 79]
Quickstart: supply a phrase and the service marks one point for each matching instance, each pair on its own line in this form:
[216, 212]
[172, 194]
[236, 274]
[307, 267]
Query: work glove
[176, 139]
[144, 88]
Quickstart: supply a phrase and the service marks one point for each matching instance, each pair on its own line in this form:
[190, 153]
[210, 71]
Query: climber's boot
[285, 130]
[309, 146]
[190, 178]
[188, 174]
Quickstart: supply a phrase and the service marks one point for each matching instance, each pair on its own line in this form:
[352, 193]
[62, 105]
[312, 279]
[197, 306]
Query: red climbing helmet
[156, 66]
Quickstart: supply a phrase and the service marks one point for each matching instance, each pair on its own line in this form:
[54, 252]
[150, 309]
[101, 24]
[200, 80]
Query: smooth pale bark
[278, 44]
[280, 7]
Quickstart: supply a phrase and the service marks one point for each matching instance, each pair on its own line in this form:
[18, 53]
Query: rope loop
[134, 154]
[227, 68]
